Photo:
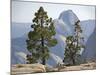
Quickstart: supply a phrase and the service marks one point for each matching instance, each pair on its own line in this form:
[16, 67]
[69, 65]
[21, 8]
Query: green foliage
[73, 45]
[41, 37]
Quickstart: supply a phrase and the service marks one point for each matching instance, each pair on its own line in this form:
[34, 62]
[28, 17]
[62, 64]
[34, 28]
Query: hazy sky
[24, 11]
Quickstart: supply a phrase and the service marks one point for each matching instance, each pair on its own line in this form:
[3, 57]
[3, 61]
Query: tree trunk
[73, 61]
[43, 59]
[42, 42]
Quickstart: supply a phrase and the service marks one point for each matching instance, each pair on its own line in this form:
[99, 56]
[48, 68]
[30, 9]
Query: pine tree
[41, 37]
[74, 44]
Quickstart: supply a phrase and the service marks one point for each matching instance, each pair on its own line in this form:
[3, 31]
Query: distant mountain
[64, 27]
[68, 17]
[90, 52]
[88, 27]
[18, 45]
[19, 29]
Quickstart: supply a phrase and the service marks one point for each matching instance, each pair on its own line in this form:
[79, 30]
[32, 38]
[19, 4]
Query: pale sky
[23, 12]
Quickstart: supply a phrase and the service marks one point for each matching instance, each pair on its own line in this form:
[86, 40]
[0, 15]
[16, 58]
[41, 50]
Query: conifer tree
[41, 37]
[74, 44]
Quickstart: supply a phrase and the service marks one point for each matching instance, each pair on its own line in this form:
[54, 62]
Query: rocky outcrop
[27, 68]
[39, 68]
[86, 66]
